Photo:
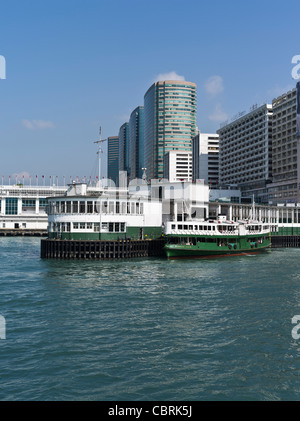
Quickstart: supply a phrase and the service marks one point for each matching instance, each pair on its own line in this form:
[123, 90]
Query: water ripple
[148, 329]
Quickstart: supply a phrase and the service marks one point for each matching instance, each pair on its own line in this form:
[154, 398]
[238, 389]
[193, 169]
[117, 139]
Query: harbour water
[148, 329]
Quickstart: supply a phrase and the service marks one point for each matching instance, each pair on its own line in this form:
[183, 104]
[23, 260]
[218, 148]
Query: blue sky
[72, 66]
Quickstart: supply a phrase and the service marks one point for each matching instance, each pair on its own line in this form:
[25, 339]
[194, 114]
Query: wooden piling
[101, 250]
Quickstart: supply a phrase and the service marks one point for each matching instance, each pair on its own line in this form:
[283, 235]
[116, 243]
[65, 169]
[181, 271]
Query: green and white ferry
[199, 238]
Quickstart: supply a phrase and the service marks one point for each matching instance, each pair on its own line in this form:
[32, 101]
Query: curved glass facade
[136, 143]
[170, 112]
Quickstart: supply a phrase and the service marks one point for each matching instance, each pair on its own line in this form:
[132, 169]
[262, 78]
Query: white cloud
[21, 176]
[214, 85]
[37, 124]
[168, 76]
[218, 115]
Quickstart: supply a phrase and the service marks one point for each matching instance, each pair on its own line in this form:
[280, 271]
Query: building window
[43, 203]
[11, 206]
[28, 205]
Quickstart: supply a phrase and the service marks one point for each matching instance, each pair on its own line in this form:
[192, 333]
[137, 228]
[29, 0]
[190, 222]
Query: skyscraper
[113, 158]
[136, 142]
[170, 109]
[124, 148]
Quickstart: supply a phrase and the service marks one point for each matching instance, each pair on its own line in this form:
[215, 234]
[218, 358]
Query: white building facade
[178, 166]
[245, 147]
[206, 158]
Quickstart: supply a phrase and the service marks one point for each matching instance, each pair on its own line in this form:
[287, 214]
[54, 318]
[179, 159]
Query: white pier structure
[22, 208]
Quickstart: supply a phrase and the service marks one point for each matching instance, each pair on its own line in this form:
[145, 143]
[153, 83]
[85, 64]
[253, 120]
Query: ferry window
[75, 225]
[104, 207]
[111, 207]
[180, 227]
[122, 227]
[190, 227]
[68, 207]
[185, 227]
[97, 206]
[128, 207]
[81, 207]
[89, 225]
[104, 226]
[82, 225]
[141, 208]
[75, 207]
[68, 226]
[96, 227]
[132, 208]
[62, 207]
[200, 228]
[209, 228]
[173, 226]
[117, 227]
[137, 208]
[89, 207]
[196, 227]
[117, 207]
[123, 207]
[56, 207]
[111, 227]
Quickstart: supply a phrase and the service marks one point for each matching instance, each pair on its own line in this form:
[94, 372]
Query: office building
[284, 188]
[178, 166]
[245, 147]
[206, 158]
[113, 158]
[136, 143]
[170, 122]
[124, 148]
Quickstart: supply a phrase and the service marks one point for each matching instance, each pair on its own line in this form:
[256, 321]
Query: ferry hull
[194, 254]
[188, 251]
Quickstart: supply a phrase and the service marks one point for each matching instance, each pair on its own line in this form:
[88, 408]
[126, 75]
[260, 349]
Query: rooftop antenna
[99, 153]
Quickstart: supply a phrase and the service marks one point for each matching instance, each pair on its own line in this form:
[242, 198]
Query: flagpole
[99, 153]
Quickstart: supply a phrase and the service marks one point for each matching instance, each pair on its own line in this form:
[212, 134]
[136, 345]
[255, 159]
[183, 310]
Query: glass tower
[170, 112]
[124, 148]
[113, 158]
[136, 143]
